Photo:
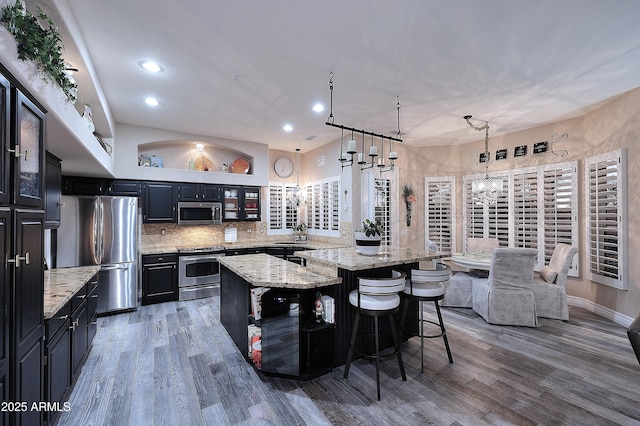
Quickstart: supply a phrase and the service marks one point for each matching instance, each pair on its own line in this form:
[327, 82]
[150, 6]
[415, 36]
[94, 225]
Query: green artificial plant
[38, 40]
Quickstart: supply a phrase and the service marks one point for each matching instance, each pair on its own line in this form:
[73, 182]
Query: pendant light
[296, 197]
[486, 189]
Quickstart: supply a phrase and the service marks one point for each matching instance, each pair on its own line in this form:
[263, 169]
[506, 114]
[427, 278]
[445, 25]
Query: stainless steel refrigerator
[103, 231]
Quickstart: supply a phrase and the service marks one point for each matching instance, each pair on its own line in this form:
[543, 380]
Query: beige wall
[614, 125]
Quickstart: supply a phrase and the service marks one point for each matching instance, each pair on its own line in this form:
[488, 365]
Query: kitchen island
[267, 307]
[318, 346]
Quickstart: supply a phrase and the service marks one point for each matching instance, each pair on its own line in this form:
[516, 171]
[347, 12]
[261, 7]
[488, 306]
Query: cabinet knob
[64, 317]
[81, 296]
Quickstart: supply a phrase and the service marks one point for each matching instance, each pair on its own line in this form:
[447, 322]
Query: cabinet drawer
[55, 323]
[92, 285]
[78, 298]
[150, 259]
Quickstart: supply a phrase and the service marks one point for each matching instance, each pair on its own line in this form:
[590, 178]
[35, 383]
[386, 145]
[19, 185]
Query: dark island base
[298, 347]
[293, 346]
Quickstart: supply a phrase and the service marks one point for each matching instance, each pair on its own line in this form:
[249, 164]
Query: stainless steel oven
[198, 272]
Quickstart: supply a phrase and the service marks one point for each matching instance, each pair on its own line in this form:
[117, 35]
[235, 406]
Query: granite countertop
[263, 270]
[61, 284]
[347, 258]
[171, 247]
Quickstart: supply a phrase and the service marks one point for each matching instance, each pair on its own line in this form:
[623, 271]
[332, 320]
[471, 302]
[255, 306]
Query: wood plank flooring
[174, 364]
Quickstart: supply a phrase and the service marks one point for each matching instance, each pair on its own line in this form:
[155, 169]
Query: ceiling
[242, 69]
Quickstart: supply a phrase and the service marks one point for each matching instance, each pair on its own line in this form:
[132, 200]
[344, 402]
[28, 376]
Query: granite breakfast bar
[332, 272]
[348, 265]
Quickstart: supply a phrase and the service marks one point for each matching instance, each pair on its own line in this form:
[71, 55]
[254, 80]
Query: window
[538, 209]
[323, 207]
[606, 206]
[440, 208]
[281, 217]
[377, 203]
[381, 208]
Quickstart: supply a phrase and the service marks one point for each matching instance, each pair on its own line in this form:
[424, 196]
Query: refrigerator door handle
[95, 243]
[113, 268]
[101, 229]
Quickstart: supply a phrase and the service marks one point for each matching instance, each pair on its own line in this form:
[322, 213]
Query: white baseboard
[604, 312]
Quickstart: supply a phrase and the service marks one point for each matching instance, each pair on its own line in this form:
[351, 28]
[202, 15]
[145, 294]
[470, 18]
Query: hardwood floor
[174, 364]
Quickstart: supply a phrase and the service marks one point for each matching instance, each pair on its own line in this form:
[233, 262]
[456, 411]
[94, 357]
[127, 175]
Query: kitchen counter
[330, 259]
[171, 247]
[263, 270]
[61, 284]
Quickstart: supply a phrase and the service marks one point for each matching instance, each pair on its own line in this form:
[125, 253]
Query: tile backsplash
[214, 235]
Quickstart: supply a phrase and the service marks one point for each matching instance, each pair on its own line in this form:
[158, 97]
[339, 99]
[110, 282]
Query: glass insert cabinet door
[5, 108]
[28, 151]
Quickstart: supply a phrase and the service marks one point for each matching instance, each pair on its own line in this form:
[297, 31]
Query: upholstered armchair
[482, 245]
[506, 297]
[549, 286]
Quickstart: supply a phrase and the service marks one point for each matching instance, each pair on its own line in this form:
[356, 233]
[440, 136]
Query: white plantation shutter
[439, 208]
[525, 209]
[323, 207]
[560, 209]
[281, 216]
[538, 209]
[276, 206]
[382, 208]
[498, 215]
[474, 214]
[606, 205]
[335, 205]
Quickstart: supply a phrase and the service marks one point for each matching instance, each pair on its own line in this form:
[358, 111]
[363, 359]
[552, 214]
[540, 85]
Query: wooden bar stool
[427, 285]
[377, 297]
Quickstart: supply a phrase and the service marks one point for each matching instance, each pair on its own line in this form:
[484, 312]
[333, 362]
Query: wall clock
[283, 167]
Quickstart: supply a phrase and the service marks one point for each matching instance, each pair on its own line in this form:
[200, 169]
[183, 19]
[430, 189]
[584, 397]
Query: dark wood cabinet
[5, 165]
[199, 192]
[159, 278]
[27, 151]
[241, 203]
[79, 337]
[130, 188]
[160, 199]
[52, 191]
[92, 308]
[69, 335]
[5, 241]
[27, 349]
[81, 185]
[22, 219]
[58, 356]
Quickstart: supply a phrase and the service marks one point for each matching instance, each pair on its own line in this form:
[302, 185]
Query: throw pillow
[548, 274]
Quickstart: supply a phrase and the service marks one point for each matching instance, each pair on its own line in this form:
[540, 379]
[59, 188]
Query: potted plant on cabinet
[369, 237]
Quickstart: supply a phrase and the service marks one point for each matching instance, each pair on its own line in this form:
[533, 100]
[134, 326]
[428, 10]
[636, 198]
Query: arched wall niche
[190, 154]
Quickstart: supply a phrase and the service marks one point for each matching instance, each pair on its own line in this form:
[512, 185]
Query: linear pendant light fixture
[349, 157]
[486, 189]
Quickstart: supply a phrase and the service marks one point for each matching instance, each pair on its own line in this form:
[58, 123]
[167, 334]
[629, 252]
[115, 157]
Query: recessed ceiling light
[318, 107]
[151, 101]
[150, 66]
[287, 127]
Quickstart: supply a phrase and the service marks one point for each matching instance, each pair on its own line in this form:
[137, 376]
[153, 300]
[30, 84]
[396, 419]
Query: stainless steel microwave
[199, 213]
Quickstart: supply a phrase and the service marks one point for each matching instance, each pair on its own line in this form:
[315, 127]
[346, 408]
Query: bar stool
[427, 285]
[377, 297]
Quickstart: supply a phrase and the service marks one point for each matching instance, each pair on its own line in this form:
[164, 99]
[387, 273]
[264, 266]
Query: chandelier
[486, 189]
[296, 198]
[375, 156]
